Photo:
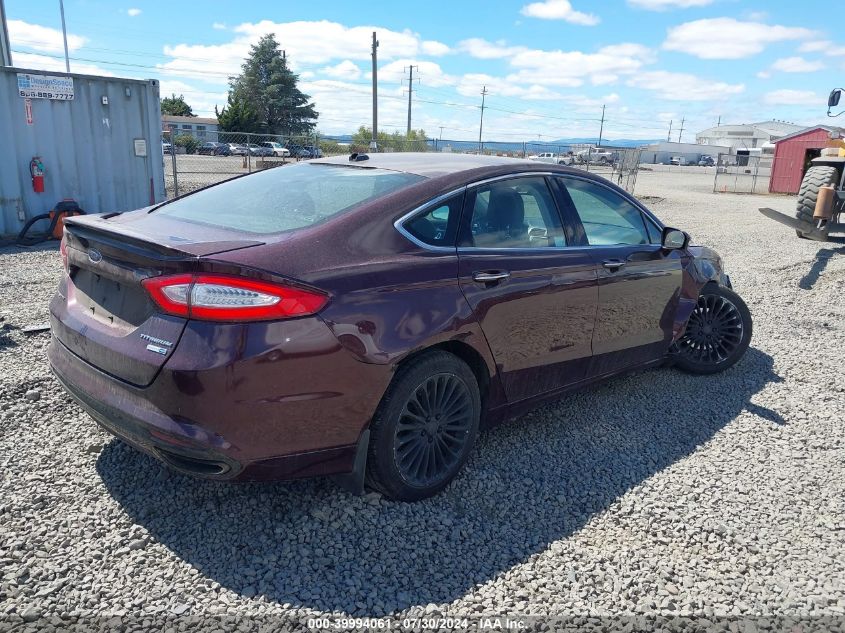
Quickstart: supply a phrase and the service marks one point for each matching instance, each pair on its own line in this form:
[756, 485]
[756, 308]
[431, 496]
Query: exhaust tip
[192, 465]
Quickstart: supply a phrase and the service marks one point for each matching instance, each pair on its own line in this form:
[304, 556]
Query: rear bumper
[217, 433]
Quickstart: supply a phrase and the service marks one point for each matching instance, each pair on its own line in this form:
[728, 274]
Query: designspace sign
[45, 87]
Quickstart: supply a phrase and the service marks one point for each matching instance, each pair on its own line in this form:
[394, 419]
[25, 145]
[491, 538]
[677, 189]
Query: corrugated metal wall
[790, 157]
[88, 148]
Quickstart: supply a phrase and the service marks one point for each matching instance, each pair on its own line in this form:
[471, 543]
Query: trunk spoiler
[167, 245]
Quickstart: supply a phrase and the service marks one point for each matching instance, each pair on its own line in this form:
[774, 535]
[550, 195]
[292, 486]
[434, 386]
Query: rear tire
[717, 334]
[816, 177]
[425, 427]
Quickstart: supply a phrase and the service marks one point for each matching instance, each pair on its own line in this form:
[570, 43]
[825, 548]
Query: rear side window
[286, 198]
[437, 225]
[514, 213]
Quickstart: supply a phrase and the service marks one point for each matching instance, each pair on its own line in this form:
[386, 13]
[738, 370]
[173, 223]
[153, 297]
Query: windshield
[286, 198]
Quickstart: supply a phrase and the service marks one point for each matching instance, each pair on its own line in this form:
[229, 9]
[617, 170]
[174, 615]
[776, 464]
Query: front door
[639, 281]
[534, 297]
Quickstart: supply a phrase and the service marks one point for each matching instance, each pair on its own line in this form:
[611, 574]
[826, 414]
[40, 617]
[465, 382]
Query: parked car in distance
[299, 151]
[214, 149]
[277, 149]
[551, 157]
[237, 149]
[258, 150]
[706, 161]
[166, 148]
[314, 151]
[678, 160]
[595, 156]
[369, 322]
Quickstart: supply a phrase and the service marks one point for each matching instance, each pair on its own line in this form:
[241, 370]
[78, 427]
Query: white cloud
[663, 5]
[435, 48]
[727, 38]
[42, 38]
[202, 102]
[683, 86]
[346, 69]
[133, 12]
[482, 49]
[559, 10]
[219, 26]
[426, 73]
[571, 68]
[306, 44]
[822, 46]
[792, 97]
[42, 62]
[797, 65]
[764, 74]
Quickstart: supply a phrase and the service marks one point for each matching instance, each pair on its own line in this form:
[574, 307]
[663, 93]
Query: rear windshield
[286, 198]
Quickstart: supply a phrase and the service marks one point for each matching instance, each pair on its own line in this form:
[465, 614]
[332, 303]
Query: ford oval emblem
[95, 256]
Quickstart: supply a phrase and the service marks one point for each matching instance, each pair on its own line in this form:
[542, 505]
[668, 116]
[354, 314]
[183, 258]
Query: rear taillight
[63, 252]
[231, 298]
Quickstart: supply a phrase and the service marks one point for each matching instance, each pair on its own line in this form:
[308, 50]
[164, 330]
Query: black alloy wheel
[433, 429]
[717, 334]
[425, 427]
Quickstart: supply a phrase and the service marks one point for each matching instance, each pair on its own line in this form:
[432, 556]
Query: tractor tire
[816, 177]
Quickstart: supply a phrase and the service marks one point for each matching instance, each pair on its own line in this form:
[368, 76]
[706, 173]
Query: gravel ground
[657, 495]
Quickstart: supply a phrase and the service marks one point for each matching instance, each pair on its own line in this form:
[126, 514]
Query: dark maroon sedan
[362, 317]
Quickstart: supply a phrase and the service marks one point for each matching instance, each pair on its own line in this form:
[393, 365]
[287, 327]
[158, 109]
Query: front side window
[608, 219]
[286, 199]
[514, 213]
[437, 225]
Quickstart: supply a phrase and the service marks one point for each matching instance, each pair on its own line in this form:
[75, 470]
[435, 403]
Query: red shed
[792, 157]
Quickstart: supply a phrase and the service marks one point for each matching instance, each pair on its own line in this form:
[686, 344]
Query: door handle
[613, 264]
[491, 277]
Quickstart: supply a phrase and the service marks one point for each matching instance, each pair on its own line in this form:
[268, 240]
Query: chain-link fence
[191, 162]
[743, 174]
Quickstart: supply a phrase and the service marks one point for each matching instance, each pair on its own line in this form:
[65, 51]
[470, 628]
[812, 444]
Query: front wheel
[425, 428]
[717, 334]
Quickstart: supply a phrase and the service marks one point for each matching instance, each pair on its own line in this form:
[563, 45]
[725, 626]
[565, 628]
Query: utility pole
[681, 133]
[5, 48]
[374, 141]
[719, 121]
[64, 34]
[601, 127]
[441, 132]
[669, 135]
[410, 91]
[481, 123]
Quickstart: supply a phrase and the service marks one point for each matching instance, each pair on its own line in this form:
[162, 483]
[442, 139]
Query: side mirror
[674, 239]
[833, 99]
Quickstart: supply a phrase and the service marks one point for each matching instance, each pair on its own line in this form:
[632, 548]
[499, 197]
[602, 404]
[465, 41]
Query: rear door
[639, 281]
[534, 297]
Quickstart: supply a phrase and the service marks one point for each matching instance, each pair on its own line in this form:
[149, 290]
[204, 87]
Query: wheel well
[466, 353]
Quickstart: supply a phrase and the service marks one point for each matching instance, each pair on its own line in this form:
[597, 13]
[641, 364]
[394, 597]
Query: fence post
[248, 155]
[173, 160]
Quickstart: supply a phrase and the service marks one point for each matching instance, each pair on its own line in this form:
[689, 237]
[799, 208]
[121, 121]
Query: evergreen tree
[269, 88]
[237, 116]
[176, 106]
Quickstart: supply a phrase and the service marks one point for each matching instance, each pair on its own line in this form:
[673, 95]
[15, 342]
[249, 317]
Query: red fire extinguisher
[36, 170]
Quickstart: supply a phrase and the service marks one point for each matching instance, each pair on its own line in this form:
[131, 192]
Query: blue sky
[548, 65]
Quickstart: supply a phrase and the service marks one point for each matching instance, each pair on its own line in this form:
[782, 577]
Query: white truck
[551, 157]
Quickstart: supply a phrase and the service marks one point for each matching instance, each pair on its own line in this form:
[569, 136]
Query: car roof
[427, 164]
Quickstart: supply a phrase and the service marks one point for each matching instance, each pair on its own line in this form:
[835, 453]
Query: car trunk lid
[106, 317]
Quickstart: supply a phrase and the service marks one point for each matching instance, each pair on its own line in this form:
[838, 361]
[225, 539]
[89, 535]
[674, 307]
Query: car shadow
[308, 544]
[823, 256]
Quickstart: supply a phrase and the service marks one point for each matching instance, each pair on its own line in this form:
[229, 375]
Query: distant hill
[561, 144]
